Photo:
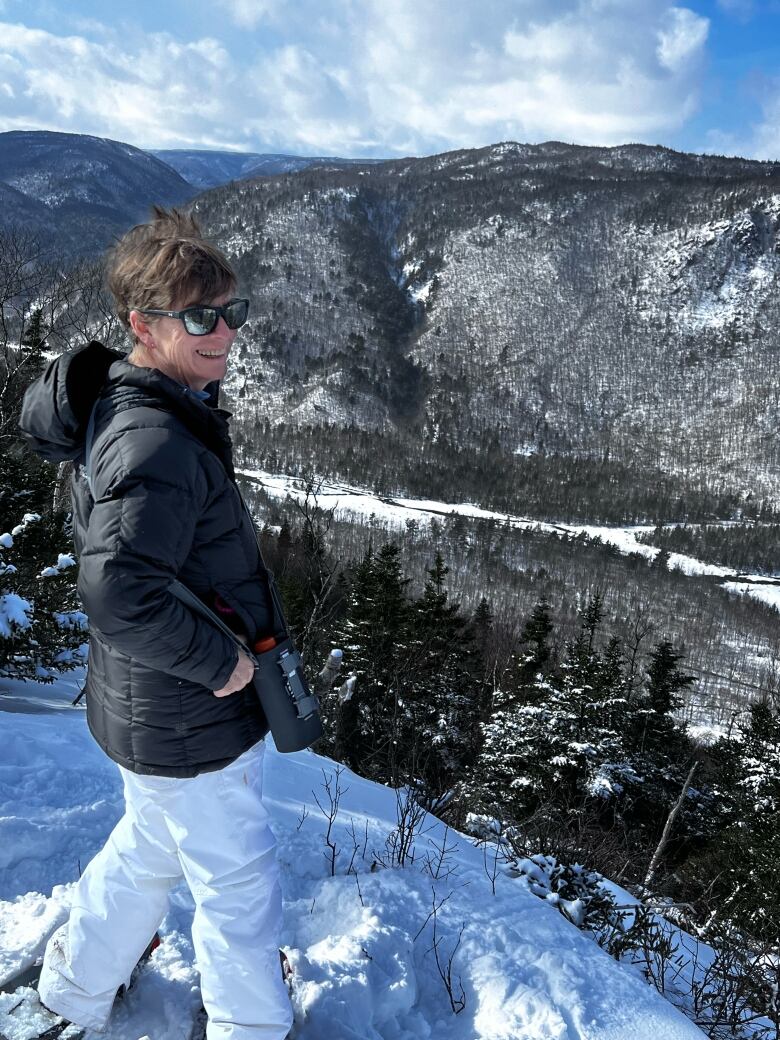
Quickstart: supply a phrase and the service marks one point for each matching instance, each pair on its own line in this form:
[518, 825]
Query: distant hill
[81, 191]
[207, 169]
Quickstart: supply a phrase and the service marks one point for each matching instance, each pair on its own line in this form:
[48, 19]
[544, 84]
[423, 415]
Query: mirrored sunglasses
[202, 319]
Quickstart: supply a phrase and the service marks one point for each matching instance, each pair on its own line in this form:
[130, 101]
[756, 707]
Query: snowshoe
[123, 990]
[30, 976]
[201, 1020]
[63, 1031]
[24, 1017]
[25, 1010]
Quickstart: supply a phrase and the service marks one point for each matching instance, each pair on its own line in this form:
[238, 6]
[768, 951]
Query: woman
[167, 695]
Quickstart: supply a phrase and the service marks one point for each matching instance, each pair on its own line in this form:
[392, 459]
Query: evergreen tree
[483, 617]
[747, 859]
[367, 727]
[589, 715]
[661, 753]
[42, 629]
[535, 636]
[564, 737]
[521, 743]
[654, 733]
[33, 340]
[445, 692]
[482, 626]
[665, 679]
[484, 654]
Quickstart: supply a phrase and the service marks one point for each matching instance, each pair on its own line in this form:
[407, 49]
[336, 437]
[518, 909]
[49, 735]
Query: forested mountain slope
[205, 168]
[613, 304]
[78, 191]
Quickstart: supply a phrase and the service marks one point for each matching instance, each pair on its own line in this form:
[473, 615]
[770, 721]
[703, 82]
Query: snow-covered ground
[350, 503]
[764, 593]
[361, 942]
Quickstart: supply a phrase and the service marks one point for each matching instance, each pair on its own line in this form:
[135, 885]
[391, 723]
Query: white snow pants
[213, 831]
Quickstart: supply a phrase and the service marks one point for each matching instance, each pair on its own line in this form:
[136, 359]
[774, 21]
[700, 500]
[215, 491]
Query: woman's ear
[142, 330]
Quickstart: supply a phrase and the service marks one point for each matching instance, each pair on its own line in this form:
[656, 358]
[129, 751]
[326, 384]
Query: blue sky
[396, 77]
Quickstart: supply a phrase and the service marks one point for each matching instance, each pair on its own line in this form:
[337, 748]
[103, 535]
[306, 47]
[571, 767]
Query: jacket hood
[57, 406]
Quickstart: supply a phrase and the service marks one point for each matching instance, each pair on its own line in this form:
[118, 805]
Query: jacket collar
[129, 386]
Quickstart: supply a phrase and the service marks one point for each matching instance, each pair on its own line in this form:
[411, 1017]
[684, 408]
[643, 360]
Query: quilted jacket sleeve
[149, 492]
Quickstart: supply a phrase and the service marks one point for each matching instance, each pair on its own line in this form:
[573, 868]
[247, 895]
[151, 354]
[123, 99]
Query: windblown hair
[164, 264]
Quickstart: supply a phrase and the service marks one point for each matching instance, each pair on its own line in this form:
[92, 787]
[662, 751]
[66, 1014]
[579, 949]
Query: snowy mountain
[358, 929]
[207, 168]
[617, 306]
[78, 190]
[613, 304]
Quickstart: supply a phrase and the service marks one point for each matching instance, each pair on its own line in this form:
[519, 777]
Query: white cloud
[682, 38]
[767, 136]
[366, 77]
[424, 77]
[248, 14]
[762, 139]
[162, 93]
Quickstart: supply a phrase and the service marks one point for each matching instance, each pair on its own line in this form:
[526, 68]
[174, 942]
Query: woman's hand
[240, 676]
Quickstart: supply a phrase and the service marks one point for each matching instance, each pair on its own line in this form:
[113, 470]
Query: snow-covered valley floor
[360, 942]
[352, 502]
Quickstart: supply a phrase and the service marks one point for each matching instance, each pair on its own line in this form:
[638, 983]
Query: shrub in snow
[578, 893]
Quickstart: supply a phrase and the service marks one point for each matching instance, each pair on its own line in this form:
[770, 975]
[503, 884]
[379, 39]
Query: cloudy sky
[395, 77]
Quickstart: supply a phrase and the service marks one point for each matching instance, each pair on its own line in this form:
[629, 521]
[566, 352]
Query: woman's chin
[212, 368]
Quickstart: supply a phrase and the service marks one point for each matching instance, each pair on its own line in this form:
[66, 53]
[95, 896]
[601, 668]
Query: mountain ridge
[205, 168]
[79, 190]
[509, 302]
[612, 303]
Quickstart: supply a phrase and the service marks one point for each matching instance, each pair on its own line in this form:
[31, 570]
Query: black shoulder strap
[90, 437]
[189, 598]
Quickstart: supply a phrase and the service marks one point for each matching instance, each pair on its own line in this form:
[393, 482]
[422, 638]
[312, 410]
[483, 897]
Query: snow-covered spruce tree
[747, 853]
[570, 753]
[370, 726]
[661, 754]
[590, 711]
[42, 629]
[414, 715]
[444, 696]
[555, 732]
[509, 776]
[33, 340]
[630, 756]
[485, 647]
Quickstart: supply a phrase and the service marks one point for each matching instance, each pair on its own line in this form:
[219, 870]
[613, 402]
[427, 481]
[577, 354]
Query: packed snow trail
[360, 945]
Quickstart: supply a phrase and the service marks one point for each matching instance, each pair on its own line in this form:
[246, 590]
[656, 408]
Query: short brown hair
[165, 262]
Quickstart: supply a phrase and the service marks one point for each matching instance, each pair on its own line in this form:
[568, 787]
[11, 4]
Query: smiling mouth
[211, 353]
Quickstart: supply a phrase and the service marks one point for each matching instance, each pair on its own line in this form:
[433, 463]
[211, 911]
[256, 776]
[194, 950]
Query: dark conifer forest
[565, 741]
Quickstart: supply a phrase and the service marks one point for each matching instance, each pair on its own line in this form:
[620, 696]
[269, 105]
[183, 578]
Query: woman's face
[194, 361]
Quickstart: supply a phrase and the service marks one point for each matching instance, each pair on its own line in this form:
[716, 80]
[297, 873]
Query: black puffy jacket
[165, 506]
